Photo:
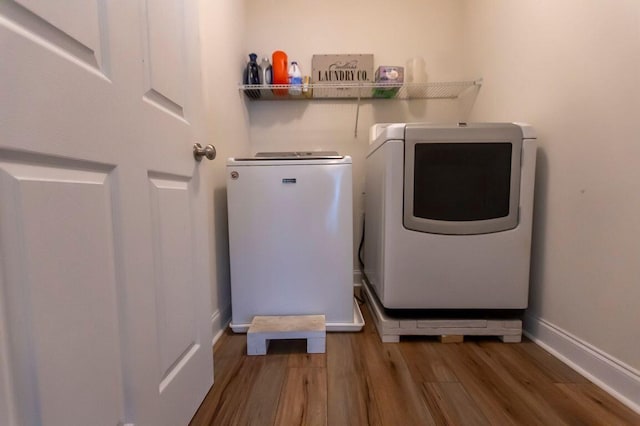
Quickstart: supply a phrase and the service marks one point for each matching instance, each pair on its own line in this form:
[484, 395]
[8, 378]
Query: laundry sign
[339, 73]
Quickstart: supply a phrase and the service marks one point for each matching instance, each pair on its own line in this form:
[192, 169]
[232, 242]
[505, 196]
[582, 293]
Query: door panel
[165, 61]
[76, 28]
[172, 227]
[61, 289]
[184, 346]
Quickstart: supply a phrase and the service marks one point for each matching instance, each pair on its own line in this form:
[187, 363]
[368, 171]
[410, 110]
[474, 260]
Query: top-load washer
[291, 238]
[448, 215]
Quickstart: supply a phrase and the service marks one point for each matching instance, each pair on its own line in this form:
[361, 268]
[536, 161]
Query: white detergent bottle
[295, 79]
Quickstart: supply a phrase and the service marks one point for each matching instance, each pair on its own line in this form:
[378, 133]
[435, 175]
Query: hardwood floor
[361, 381]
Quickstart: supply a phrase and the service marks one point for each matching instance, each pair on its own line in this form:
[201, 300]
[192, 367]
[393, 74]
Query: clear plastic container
[307, 89]
[416, 76]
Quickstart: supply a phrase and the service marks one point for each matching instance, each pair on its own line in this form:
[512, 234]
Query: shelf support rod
[355, 131]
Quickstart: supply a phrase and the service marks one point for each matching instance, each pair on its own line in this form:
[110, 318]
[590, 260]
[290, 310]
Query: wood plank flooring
[420, 381]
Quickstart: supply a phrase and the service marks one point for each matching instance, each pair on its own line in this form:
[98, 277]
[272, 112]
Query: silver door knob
[208, 151]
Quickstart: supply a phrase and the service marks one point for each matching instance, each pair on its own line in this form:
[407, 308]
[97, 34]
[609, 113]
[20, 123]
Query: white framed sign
[343, 70]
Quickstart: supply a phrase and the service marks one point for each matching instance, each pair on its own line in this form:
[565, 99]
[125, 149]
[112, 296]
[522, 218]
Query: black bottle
[252, 75]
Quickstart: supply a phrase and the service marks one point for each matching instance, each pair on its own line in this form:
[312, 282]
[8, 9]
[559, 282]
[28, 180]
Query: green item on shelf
[386, 93]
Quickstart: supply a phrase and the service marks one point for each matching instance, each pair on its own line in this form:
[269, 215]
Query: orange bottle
[280, 71]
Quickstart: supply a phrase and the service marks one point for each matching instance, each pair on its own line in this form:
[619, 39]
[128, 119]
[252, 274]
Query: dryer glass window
[462, 181]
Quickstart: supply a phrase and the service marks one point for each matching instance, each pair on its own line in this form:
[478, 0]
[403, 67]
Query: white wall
[222, 27]
[392, 32]
[571, 68]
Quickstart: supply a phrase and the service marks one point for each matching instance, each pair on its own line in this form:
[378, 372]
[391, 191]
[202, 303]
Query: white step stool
[266, 328]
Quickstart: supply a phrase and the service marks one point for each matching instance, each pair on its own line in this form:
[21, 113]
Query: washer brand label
[288, 180]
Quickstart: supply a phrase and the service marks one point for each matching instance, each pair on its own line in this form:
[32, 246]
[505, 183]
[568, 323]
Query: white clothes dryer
[448, 215]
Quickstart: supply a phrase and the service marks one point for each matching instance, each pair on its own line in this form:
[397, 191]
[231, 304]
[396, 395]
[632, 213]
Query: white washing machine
[291, 238]
[448, 215]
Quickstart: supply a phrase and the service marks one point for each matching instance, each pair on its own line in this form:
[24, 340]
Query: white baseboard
[615, 377]
[219, 322]
[357, 278]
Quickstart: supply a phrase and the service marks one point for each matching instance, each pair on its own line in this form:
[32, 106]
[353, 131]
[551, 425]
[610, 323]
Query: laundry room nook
[503, 74]
[277, 212]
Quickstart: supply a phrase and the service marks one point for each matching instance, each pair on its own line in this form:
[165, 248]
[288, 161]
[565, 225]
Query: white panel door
[104, 276]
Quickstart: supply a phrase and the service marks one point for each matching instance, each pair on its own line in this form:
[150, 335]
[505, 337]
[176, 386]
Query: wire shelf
[362, 91]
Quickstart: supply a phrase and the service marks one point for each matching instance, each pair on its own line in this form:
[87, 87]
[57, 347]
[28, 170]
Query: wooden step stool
[266, 328]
